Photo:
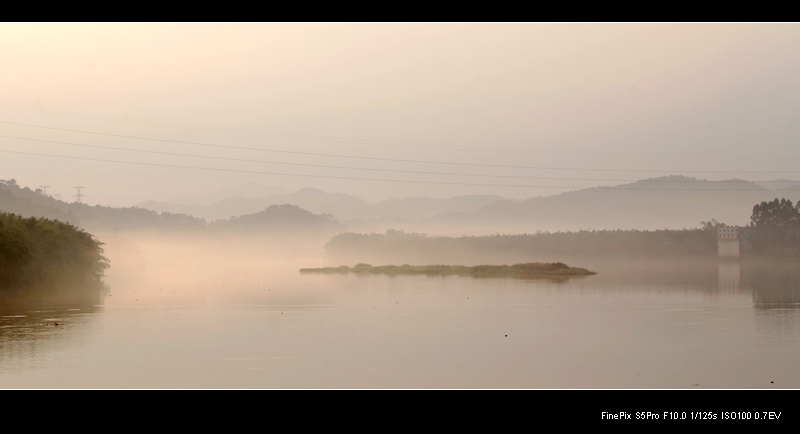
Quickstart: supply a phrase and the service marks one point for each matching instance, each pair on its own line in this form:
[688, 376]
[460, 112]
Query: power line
[265, 173]
[397, 160]
[240, 131]
[326, 166]
[398, 143]
[370, 179]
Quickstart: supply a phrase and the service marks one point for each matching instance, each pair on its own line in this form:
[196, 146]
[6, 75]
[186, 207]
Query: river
[635, 325]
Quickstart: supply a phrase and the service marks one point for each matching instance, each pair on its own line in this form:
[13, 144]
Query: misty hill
[28, 203]
[247, 190]
[229, 207]
[343, 206]
[282, 218]
[418, 208]
[779, 184]
[673, 202]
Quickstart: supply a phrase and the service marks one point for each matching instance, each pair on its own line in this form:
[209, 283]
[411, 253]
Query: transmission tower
[78, 195]
[44, 189]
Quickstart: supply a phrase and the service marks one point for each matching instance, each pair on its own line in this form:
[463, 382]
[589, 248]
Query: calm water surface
[657, 325]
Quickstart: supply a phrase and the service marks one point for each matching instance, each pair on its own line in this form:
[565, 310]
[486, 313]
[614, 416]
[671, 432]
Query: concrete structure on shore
[732, 242]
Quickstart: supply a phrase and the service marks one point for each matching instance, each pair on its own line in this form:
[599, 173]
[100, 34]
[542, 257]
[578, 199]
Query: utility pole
[78, 195]
[44, 189]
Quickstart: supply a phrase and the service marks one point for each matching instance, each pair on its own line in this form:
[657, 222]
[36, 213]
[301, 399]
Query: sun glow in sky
[136, 111]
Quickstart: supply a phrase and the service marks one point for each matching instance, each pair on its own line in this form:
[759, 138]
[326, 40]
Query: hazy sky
[143, 111]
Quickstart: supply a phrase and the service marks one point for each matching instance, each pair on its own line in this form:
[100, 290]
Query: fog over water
[179, 315]
[213, 161]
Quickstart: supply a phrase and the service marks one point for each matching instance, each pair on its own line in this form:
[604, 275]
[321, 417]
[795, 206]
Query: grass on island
[521, 271]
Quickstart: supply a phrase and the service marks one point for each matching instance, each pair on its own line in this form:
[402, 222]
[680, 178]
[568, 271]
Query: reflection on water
[36, 324]
[775, 284]
[775, 289]
[15, 300]
[698, 324]
[730, 276]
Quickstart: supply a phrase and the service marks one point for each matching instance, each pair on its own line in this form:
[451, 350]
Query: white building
[732, 242]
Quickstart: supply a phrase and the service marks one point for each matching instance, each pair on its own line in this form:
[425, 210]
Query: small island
[534, 270]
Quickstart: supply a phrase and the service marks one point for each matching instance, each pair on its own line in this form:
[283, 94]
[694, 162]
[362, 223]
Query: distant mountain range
[277, 218]
[282, 218]
[673, 202]
[670, 202]
[344, 206]
[245, 190]
[779, 184]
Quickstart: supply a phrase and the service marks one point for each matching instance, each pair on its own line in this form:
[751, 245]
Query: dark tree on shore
[776, 213]
[776, 226]
[39, 251]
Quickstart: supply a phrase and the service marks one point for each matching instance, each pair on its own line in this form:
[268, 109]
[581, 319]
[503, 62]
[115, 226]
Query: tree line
[774, 230]
[522, 247]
